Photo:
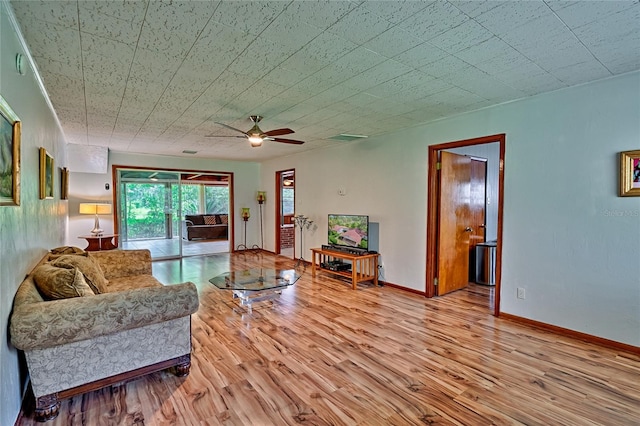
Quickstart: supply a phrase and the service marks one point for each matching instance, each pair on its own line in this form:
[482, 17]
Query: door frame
[432, 211]
[278, 207]
[115, 195]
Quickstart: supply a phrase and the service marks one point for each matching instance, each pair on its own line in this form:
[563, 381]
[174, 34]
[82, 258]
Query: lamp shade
[95, 208]
[245, 213]
[261, 197]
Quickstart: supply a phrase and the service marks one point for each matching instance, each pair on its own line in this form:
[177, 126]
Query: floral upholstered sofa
[89, 320]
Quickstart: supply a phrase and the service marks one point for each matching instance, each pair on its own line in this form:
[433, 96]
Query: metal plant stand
[245, 217]
[303, 223]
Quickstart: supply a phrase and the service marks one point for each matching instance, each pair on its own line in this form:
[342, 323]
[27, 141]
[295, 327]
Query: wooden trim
[432, 211]
[278, 209]
[399, 287]
[432, 223]
[600, 341]
[124, 377]
[278, 200]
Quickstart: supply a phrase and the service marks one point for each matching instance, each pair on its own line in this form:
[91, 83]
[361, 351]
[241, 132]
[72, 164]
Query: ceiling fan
[255, 135]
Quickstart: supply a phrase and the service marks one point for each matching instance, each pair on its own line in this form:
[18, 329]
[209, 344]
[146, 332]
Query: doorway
[462, 226]
[285, 211]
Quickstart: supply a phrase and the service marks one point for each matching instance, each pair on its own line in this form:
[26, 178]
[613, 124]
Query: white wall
[569, 240]
[90, 187]
[27, 231]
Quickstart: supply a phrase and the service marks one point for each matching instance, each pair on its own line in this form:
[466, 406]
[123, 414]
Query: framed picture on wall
[630, 173]
[46, 174]
[64, 183]
[9, 156]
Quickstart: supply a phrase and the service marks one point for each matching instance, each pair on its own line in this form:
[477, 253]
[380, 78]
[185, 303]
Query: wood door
[454, 220]
[477, 209]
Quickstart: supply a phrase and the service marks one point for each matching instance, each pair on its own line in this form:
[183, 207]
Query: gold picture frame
[46, 174]
[10, 129]
[64, 183]
[630, 173]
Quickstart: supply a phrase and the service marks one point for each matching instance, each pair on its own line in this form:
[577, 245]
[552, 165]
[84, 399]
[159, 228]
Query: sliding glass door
[149, 212]
[153, 206]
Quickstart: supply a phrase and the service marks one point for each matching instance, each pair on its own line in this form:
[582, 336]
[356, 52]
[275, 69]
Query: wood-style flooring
[323, 354]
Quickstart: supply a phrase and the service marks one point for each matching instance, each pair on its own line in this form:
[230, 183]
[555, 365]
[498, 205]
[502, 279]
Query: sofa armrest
[51, 323]
[188, 223]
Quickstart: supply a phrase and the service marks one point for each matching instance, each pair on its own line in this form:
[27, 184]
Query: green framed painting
[9, 156]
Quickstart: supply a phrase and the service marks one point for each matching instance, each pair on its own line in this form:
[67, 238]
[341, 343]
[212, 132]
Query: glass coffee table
[255, 285]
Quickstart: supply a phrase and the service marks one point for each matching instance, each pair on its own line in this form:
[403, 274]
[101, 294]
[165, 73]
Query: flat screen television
[349, 230]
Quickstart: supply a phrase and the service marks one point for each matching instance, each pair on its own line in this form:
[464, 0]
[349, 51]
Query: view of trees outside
[216, 199]
[145, 206]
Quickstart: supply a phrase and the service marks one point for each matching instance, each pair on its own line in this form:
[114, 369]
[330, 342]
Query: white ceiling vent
[347, 137]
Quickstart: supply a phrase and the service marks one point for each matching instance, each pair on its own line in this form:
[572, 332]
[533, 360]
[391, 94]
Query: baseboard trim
[399, 287]
[573, 334]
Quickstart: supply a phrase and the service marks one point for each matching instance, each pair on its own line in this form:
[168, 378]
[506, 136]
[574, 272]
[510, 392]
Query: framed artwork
[46, 174]
[9, 156]
[64, 183]
[630, 174]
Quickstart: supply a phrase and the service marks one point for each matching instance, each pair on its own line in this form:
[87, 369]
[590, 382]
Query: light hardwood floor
[323, 354]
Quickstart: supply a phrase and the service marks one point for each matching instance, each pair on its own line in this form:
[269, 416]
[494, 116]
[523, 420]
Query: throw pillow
[60, 283]
[90, 269]
[67, 250]
[210, 220]
[224, 219]
[61, 251]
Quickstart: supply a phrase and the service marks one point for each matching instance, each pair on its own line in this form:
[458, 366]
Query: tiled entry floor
[170, 247]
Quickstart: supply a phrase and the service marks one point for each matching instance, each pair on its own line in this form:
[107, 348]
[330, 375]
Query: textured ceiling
[153, 76]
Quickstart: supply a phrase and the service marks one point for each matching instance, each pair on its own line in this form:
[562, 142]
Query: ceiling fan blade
[232, 128]
[291, 141]
[278, 132]
[223, 136]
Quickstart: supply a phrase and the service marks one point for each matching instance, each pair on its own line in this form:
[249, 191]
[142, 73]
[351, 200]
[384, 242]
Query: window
[287, 201]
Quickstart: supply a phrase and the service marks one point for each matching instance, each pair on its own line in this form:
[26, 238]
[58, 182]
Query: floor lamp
[302, 222]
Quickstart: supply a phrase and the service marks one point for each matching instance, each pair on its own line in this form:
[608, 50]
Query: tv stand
[364, 267]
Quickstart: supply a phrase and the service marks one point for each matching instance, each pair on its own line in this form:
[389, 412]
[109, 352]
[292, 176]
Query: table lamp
[95, 209]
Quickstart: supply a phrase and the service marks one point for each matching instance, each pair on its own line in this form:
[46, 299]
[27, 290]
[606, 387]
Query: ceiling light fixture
[255, 140]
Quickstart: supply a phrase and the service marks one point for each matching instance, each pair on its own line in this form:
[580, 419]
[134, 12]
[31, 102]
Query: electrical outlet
[520, 293]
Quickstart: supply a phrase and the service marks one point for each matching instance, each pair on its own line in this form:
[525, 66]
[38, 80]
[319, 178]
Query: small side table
[100, 242]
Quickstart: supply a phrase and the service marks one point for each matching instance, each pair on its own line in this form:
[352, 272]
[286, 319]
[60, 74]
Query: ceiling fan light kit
[256, 136]
[255, 140]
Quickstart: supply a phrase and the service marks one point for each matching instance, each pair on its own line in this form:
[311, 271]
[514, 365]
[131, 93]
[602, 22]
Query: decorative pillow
[210, 220]
[224, 219]
[88, 266]
[67, 250]
[61, 251]
[60, 283]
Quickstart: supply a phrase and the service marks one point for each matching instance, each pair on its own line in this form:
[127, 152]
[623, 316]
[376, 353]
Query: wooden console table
[364, 267]
[100, 242]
